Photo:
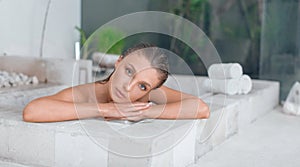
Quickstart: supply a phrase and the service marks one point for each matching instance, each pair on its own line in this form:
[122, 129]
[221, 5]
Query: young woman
[126, 94]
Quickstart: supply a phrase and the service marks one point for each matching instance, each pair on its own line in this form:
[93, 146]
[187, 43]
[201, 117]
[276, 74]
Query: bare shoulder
[165, 94]
[156, 95]
[164, 90]
[80, 93]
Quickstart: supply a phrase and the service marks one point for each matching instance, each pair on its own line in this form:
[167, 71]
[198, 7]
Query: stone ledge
[234, 113]
[47, 144]
[4, 163]
[22, 95]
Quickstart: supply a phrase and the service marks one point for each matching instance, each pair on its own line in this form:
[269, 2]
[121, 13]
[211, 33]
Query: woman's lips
[120, 94]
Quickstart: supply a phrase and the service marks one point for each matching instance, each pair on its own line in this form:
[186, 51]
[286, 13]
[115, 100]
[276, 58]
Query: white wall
[21, 23]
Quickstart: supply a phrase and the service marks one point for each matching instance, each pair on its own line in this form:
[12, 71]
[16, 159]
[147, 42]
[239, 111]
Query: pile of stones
[13, 79]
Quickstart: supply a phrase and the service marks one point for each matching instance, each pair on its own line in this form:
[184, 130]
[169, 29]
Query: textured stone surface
[160, 143]
[184, 151]
[221, 125]
[76, 143]
[77, 151]
[24, 94]
[262, 99]
[273, 140]
[117, 160]
[31, 145]
[231, 114]
[3, 141]
[10, 164]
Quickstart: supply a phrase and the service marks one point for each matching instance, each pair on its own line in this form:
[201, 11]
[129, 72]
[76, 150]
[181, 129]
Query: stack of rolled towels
[228, 78]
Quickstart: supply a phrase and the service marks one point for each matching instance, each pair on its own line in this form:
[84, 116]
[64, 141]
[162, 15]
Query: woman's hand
[123, 111]
[129, 118]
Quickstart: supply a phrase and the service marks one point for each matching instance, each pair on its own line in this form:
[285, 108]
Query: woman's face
[133, 79]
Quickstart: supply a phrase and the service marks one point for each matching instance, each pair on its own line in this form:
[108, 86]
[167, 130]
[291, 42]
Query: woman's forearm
[185, 109]
[50, 110]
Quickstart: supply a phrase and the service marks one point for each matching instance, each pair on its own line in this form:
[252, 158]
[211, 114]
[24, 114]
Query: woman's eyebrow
[146, 83]
[132, 67]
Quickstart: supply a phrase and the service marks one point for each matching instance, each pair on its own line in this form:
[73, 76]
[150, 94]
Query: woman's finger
[125, 110]
[130, 108]
[130, 113]
[113, 118]
[131, 105]
[135, 109]
[136, 104]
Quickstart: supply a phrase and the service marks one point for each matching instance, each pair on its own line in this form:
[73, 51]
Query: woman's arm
[76, 103]
[61, 106]
[47, 109]
[173, 104]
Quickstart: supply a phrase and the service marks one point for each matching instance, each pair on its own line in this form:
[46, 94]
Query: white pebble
[35, 80]
[4, 73]
[24, 78]
[18, 78]
[6, 84]
[29, 80]
[21, 83]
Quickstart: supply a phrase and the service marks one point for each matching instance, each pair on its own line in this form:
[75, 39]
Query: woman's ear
[119, 60]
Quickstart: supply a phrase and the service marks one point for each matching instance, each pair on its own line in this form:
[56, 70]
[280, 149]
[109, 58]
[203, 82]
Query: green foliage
[107, 40]
[110, 40]
[82, 35]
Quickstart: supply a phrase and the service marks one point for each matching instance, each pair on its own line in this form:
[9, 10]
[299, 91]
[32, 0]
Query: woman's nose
[128, 86]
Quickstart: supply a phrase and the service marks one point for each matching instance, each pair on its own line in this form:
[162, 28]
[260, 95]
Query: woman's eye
[142, 87]
[128, 71]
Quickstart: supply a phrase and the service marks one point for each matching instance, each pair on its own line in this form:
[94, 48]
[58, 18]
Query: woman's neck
[103, 92]
[107, 90]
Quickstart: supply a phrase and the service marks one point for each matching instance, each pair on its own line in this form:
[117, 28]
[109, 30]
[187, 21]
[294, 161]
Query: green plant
[106, 40]
[82, 35]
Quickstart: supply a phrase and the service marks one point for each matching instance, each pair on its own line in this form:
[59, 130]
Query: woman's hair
[156, 56]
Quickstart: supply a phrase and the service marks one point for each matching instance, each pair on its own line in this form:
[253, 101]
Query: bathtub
[94, 142]
[52, 141]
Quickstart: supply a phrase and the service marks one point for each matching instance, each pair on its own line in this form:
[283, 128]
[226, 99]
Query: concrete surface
[273, 140]
[10, 164]
[166, 143]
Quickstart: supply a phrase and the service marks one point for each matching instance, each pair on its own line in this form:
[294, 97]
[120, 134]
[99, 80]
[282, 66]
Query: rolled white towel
[245, 84]
[225, 71]
[225, 86]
